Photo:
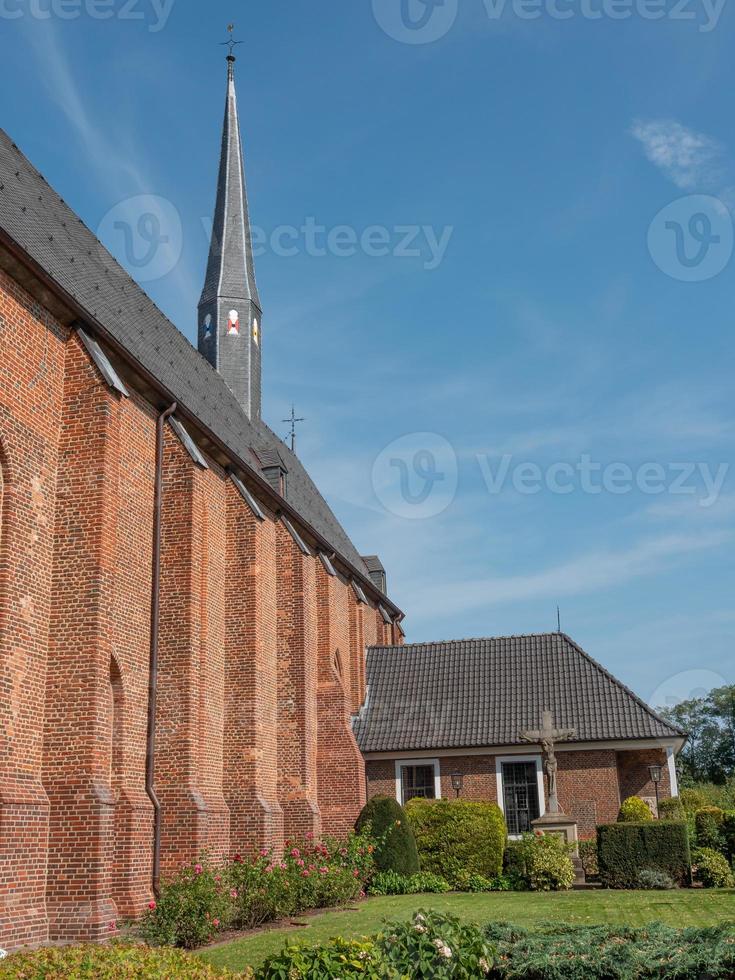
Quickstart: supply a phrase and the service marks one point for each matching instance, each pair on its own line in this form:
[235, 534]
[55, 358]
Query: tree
[709, 755]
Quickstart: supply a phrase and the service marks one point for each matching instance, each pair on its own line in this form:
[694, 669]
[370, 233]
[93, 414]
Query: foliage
[588, 857]
[436, 946]
[612, 953]
[624, 849]
[634, 810]
[391, 883]
[708, 828]
[201, 900]
[711, 869]
[335, 958]
[709, 754]
[385, 819]
[728, 835]
[671, 809]
[456, 837]
[692, 799]
[114, 962]
[543, 862]
[651, 880]
[194, 905]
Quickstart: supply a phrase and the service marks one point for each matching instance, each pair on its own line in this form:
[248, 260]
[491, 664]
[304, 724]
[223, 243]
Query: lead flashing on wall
[102, 362]
[300, 543]
[385, 614]
[327, 562]
[188, 443]
[247, 497]
[359, 594]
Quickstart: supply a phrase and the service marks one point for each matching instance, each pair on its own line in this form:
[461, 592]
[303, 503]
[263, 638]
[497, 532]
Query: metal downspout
[150, 759]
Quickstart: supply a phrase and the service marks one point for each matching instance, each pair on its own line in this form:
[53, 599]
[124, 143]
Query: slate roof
[34, 216]
[474, 693]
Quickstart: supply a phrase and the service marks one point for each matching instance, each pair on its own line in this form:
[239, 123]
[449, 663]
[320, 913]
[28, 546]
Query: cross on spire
[230, 42]
[293, 420]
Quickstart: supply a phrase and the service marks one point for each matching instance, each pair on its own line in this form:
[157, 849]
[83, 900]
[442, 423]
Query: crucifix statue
[548, 736]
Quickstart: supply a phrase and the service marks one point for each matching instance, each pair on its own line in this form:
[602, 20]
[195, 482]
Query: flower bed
[203, 900]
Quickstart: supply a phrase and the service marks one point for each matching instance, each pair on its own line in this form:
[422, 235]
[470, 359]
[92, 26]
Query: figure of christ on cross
[548, 736]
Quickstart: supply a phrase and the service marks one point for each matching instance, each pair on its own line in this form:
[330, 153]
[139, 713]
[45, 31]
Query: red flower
[215, 923]
[112, 926]
[198, 869]
[238, 859]
[151, 905]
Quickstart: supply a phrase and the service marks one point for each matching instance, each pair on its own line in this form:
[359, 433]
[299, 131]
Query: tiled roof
[474, 693]
[34, 216]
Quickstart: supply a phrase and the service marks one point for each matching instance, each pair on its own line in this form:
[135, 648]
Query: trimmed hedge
[625, 849]
[728, 835]
[109, 963]
[457, 837]
[395, 843]
[671, 809]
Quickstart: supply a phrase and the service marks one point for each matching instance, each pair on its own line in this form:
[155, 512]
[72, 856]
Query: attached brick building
[182, 619]
[440, 714]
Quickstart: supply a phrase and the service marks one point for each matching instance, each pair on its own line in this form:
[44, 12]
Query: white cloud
[691, 160]
[587, 573]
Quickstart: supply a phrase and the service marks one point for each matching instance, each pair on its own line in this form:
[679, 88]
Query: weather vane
[231, 42]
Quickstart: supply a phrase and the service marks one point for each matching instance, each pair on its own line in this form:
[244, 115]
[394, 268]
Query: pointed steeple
[229, 308]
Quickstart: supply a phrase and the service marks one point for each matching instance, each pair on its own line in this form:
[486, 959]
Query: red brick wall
[341, 780]
[253, 720]
[32, 353]
[635, 779]
[591, 783]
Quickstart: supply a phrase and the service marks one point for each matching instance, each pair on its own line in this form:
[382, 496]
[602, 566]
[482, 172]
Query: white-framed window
[521, 797]
[417, 777]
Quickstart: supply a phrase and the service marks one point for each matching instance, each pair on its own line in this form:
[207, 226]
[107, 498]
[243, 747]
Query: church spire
[229, 307]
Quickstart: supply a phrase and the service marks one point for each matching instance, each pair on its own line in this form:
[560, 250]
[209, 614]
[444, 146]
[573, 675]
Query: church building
[183, 621]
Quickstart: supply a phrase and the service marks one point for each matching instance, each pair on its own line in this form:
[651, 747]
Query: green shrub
[711, 869]
[556, 952]
[708, 828]
[692, 800]
[435, 946]
[391, 883]
[728, 835]
[336, 958]
[588, 857]
[455, 837]
[671, 809]
[109, 963]
[650, 880]
[634, 810]
[543, 861]
[625, 849]
[395, 845]
[193, 907]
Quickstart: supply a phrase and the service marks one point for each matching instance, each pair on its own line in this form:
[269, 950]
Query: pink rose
[295, 852]
[215, 923]
[265, 852]
[304, 874]
[233, 893]
[300, 862]
[310, 836]
[355, 873]
[198, 869]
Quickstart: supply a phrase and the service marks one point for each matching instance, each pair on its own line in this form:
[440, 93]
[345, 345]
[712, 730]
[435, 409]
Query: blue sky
[565, 323]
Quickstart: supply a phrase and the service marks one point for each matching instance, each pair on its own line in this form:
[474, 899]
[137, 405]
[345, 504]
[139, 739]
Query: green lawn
[677, 908]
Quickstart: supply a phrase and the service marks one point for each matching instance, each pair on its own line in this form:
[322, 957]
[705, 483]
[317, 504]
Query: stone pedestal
[565, 827]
